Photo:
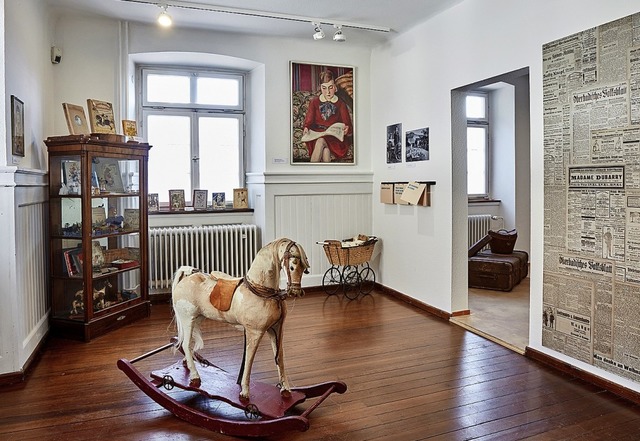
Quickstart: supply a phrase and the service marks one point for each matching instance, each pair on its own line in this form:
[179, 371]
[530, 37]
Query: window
[194, 121]
[477, 108]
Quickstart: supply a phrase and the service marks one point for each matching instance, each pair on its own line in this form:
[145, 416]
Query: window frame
[193, 74]
[486, 124]
[194, 110]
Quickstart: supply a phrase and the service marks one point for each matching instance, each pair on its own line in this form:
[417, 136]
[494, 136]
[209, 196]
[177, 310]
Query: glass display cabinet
[98, 234]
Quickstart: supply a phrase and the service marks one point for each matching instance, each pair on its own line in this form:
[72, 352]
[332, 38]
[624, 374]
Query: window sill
[484, 202]
[164, 211]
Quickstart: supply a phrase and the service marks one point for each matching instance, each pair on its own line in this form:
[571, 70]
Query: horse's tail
[182, 272]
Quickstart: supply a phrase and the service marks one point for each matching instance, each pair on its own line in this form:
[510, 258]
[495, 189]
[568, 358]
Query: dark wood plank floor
[410, 376]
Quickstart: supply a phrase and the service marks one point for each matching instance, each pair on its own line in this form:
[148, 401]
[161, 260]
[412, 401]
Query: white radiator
[226, 248]
[480, 224]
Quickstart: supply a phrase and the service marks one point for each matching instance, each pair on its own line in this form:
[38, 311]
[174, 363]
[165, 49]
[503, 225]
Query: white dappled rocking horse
[258, 305]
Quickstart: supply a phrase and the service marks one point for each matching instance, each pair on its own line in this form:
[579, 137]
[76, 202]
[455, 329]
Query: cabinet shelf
[98, 235]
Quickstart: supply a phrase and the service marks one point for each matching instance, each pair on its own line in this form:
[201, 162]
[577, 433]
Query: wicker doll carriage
[350, 270]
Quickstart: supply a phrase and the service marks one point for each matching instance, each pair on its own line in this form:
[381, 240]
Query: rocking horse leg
[186, 323]
[251, 341]
[275, 332]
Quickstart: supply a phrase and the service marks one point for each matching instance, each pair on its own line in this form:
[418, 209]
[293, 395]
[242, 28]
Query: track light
[339, 36]
[319, 33]
[164, 19]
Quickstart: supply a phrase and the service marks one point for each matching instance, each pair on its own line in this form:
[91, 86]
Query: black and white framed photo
[322, 114]
[17, 126]
[417, 145]
[394, 143]
[200, 199]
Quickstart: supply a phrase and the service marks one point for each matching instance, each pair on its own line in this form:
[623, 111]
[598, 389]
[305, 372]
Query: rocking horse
[257, 304]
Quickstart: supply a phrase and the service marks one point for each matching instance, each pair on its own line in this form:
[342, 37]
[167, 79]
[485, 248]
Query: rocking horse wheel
[167, 382]
[252, 412]
[332, 281]
[352, 282]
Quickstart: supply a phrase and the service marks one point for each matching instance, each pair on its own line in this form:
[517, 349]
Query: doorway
[499, 316]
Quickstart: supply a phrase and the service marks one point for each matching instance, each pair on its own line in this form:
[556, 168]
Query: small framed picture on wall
[17, 126]
[394, 143]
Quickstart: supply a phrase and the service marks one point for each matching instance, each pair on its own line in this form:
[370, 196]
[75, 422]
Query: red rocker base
[267, 411]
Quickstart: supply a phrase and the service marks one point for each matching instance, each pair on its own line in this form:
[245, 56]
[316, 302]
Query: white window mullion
[195, 151]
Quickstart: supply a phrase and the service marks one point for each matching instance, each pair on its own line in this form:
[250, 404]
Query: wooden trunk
[499, 272]
[523, 256]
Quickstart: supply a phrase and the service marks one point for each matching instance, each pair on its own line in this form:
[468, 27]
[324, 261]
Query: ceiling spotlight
[339, 36]
[164, 19]
[319, 33]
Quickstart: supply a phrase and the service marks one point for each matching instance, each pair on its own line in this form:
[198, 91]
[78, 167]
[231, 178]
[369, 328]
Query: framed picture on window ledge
[176, 200]
[153, 200]
[218, 200]
[322, 114]
[200, 199]
[240, 198]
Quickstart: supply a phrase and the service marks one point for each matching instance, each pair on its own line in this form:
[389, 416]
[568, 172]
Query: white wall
[413, 77]
[93, 67]
[26, 74]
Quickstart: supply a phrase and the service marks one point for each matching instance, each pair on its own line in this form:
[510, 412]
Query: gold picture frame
[76, 119]
[240, 198]
[129, 128]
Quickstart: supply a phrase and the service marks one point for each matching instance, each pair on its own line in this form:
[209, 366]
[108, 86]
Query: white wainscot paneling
[313, 218]
[24, 268]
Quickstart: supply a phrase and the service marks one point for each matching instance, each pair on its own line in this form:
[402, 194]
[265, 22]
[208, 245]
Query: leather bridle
[279, 294]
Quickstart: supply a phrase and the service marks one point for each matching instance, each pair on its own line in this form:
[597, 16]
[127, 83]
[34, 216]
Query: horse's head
[295, 263]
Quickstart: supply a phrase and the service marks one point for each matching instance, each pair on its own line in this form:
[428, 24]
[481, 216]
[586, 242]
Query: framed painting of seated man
[322, 114]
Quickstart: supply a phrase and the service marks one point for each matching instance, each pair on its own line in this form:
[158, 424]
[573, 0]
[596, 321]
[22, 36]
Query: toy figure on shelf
[99, 297]
[77, 305]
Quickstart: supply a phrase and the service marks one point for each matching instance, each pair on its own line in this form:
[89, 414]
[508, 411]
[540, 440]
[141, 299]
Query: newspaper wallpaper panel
[591, 289]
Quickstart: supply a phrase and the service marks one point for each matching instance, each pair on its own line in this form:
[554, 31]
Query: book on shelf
[72, 259]
[101, 117]
[125, 263]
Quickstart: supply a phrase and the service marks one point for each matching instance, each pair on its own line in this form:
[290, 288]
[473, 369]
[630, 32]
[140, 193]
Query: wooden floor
[410, 376]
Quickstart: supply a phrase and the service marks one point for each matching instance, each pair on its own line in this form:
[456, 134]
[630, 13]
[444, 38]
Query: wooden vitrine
[98, 234]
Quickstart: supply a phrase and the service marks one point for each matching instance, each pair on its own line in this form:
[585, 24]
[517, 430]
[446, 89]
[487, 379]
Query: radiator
[227, 248]
[480, 224]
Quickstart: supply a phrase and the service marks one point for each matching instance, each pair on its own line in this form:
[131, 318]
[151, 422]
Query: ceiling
[396, 15]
